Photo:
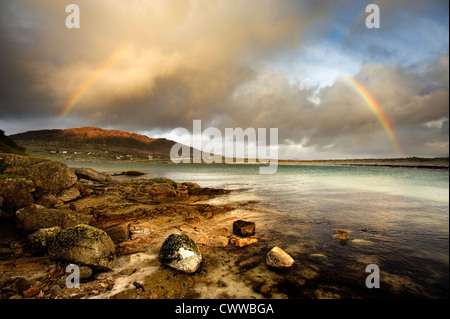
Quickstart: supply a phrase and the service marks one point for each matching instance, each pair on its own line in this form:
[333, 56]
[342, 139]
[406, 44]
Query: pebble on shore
[342, 235]
[278, 258]
[243, 228]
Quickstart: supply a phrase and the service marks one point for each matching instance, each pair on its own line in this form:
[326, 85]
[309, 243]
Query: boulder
[133, 173]
[42, 237]
[342, 235]
[69, 194]
[164, 180]
[92, 175]
[118, 233]
[16, 192]
[161, 191]
[278, 258]
[19, 160]
[16, 284]
[35, 217]
[192, 187]
[49, 201]
[243, 228]
[182, 192]
[83, 245]
[47, 175]
[180, 252]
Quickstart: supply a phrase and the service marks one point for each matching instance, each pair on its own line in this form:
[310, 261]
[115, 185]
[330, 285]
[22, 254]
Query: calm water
[398, 218]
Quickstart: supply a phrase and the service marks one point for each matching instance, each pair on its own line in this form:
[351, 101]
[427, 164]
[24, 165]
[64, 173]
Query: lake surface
[398, 219]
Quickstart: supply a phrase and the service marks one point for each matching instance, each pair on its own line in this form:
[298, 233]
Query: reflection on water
[398, 219]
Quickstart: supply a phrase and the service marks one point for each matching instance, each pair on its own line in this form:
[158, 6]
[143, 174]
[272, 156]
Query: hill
[93, 143]
[7, 145]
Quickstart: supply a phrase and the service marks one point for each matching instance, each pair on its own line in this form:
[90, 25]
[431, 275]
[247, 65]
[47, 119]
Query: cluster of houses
[75, 152]
[118, 157]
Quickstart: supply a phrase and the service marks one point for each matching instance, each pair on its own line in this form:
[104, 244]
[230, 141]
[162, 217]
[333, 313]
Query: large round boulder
[82, 244]
[47, 175]
[180, 252]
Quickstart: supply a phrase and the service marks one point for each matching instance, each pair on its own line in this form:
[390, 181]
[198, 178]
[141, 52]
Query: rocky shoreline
[52, 216]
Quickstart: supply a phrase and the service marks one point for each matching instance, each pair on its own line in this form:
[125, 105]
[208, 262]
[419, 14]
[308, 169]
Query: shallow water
[398, 219]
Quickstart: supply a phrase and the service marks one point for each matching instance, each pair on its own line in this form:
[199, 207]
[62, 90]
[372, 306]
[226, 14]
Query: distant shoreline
[414, 163]
[418, 163]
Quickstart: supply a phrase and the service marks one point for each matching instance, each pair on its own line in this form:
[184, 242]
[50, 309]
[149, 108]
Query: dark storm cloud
[207, 60]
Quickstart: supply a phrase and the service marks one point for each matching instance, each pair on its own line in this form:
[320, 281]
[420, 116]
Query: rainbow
[91, 79]
[370, 101]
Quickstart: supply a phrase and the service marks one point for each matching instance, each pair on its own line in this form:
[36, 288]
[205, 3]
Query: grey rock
[83, 245]
[46, 175]
[69, 194]
[85, 272]
[180, 252]
[92, 175]
[35, 217]
[42, 237]
[278, 258]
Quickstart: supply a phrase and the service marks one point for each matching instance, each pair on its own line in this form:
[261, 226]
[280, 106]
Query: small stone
[265, 289]
[85, 272]
[243, 228]
[153, 296]
[219, 242]
[342, 235]
[278, 258]
[33, 291]
[18, 284]
[127, 271]
[207, 281]
[243, 242]
[56, 289]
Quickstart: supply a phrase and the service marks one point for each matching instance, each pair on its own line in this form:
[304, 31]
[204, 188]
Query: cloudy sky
[152, 66]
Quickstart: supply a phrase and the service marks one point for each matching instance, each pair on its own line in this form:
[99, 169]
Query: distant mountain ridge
[94, 141]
